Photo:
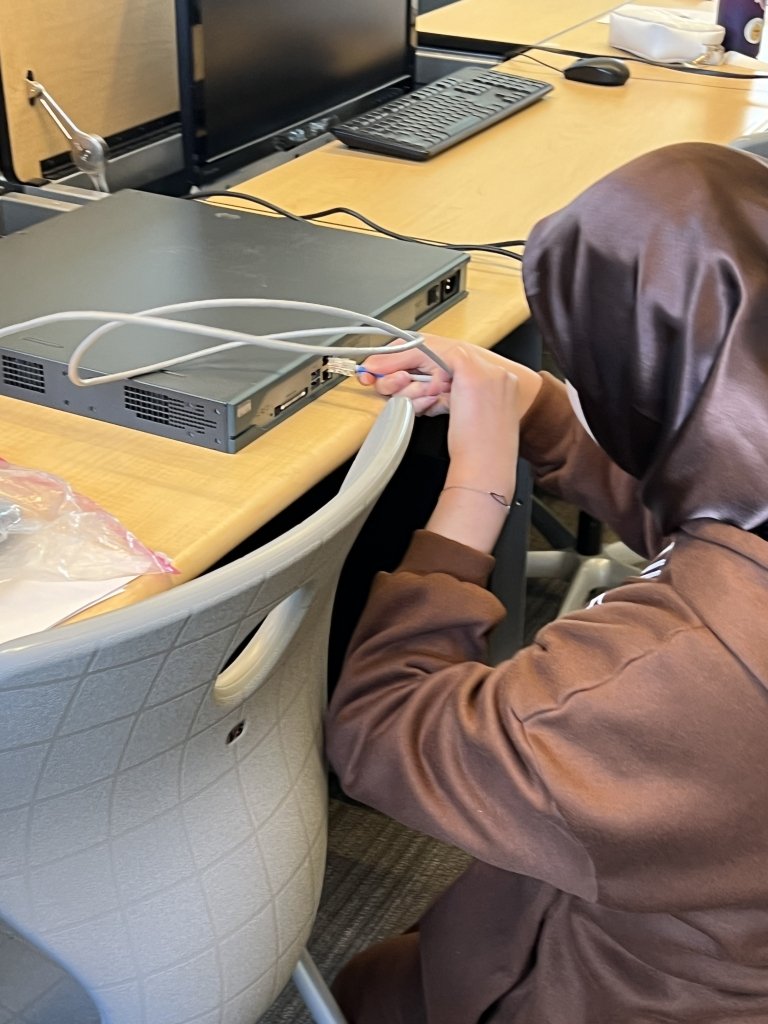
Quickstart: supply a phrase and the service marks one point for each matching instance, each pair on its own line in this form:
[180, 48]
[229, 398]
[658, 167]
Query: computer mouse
[598, 71]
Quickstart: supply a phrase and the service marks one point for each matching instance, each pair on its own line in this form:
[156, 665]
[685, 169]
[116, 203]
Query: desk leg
[508, 582]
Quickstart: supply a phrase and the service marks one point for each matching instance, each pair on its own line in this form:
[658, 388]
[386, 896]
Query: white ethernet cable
[230, 339]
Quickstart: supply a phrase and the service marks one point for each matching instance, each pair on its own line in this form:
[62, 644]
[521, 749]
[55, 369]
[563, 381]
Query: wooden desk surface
[592, 37]
[498, 184]
[509, 20]
[195, 505]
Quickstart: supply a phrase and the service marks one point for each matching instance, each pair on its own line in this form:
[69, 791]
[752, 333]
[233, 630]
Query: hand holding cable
[483, 438]
[398, 373]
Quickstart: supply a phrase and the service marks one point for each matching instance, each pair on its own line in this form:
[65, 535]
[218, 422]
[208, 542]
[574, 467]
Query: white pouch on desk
[661, 35]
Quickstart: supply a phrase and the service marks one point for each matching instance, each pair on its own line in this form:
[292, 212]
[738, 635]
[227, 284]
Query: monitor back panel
[259, 76]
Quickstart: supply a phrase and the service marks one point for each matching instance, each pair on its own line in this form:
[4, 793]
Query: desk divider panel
[109, 64]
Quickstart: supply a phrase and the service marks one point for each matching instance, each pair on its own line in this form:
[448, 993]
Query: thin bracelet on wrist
[498, 498]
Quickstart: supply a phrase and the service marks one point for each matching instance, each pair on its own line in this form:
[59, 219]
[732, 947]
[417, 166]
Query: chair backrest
[163, 820]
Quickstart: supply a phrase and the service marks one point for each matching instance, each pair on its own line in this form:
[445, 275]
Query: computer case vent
[172, 412]
[23, 373]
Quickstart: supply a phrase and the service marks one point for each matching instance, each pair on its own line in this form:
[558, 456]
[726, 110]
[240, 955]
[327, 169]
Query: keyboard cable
[498, 248]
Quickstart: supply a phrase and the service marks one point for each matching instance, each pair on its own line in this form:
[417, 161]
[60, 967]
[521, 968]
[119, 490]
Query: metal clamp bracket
[89, 152]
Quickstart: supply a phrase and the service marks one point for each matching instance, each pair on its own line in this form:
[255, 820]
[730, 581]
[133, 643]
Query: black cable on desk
[685, 68]
[498, 248]
[503, 51]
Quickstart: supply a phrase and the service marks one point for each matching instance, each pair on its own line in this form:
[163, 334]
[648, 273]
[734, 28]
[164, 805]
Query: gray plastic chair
[756, 143]
[163, 792]
[581, 560]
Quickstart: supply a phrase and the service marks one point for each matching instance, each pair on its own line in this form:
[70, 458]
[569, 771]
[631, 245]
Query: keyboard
[423, 123]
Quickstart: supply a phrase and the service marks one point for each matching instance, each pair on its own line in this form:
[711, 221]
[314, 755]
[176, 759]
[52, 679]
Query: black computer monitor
[257, 76]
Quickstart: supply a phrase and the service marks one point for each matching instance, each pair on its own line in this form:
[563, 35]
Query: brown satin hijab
[651, 291]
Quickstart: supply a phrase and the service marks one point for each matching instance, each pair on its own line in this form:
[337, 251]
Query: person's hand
[483, 437]
[484, 427]
[390, 375]
[434, 397]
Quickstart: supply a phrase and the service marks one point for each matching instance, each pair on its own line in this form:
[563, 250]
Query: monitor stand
[432, 64]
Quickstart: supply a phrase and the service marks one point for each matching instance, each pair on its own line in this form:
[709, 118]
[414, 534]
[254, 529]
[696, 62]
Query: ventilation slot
[172, 412]
[23, 373]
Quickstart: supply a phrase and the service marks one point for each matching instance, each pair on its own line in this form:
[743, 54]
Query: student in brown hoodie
[611, 779]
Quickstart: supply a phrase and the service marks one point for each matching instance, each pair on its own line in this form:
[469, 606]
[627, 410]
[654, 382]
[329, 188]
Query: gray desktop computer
[134, 251]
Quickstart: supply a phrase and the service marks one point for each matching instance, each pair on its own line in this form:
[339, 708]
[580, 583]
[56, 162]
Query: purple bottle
[743, 24]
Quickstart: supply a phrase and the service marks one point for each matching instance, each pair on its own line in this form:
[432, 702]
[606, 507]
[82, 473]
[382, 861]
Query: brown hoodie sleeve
[569, 464]
[420, 729]
[568, 763]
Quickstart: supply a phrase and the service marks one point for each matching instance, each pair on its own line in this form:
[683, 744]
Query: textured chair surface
[163, 798]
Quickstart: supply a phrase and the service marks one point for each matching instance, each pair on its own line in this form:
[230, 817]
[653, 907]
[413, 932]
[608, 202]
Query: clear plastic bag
[49, 532]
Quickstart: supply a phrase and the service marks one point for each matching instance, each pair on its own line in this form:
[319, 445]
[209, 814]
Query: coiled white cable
[284, 341]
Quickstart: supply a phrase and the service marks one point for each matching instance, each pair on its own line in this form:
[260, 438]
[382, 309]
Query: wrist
[495, 477]
[500, 497]
[469, 516]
